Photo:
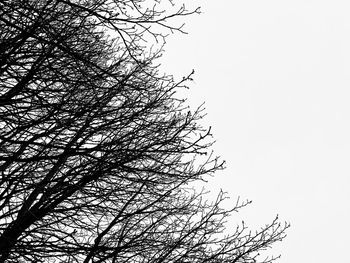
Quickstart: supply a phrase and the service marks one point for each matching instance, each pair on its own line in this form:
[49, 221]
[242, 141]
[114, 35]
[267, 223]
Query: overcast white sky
[275, 76]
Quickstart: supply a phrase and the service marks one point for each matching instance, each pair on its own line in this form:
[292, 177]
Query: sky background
[275, 76]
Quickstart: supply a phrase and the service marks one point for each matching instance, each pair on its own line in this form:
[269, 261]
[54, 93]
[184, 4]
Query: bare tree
[97, 153]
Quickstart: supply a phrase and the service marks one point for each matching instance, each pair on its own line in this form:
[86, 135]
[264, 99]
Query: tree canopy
[98, 154]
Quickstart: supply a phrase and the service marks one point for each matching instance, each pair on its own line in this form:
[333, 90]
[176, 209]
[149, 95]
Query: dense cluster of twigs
[96, 152]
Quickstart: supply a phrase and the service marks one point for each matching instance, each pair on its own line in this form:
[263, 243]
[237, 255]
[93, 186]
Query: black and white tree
[98, 154]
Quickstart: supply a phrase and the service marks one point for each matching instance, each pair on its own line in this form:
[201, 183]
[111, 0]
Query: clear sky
[275, 76]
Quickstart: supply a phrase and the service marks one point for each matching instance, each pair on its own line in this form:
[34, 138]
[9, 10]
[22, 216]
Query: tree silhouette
[98, 155]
